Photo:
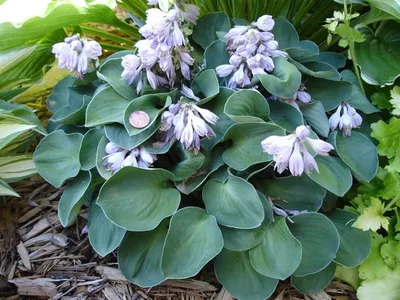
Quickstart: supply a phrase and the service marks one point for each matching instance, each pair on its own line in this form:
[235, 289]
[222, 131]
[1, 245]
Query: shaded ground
[39, 259]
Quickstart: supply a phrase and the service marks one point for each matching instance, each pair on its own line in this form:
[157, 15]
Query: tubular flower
[75, 54]
[346, 118]
[118, 158]
[252, 49]
[301, 95]
[187, 123]
[291, 151]
[165, 47]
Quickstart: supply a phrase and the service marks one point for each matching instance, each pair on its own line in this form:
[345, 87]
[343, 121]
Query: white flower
[224, 70]
[335, 118]
[132, 66]
[113, 162]
[236, 32]
[291, 152]
[188, 93]
[321, 147]
[191, 12]
[265, 23]
[303, 97]
[296, 163]
[130, 161]
[112, 148]
[206, 114]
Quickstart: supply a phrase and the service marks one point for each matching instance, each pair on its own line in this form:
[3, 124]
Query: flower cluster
[346, 118]
[252, 49]
[165, 47]
[187, 123]
[291, 151]
[75, 54]
[118, 158]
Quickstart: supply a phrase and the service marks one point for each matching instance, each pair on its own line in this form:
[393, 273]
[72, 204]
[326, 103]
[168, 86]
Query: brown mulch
[39, 259]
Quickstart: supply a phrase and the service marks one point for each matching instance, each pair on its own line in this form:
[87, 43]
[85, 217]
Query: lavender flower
[75, 54]
[290, 151]
[118, 158]
[346, 118]
[300, 96]
[165, 47]
[187, 123]
[252, 49]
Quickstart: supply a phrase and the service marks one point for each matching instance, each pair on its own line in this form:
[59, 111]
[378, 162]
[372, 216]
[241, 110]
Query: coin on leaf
[139, 119]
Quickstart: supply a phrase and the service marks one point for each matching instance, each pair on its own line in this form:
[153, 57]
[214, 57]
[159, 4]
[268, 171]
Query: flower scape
[213, 141]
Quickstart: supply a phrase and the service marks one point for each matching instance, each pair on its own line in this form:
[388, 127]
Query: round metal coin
[139, 119]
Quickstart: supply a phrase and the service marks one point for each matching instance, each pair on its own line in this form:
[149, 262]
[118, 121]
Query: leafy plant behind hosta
[18, 126]
[222, 202]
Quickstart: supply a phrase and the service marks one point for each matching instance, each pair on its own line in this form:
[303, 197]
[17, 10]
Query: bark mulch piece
[39, 259]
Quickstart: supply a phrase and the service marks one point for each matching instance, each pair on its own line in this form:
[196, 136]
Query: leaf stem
[389, 206]
[351, 48]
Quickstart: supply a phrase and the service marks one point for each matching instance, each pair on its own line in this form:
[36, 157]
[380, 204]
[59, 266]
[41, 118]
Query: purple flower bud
[302, 132]
[296, 163]
[303, 97]
[224, 70]
[265, 23]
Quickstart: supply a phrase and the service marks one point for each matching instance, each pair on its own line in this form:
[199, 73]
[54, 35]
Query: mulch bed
[39, 259]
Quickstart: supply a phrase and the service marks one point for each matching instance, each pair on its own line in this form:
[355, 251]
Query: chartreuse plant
[18, 127]
[224, 154]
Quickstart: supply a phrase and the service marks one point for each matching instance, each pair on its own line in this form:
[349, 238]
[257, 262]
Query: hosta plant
[212, 142]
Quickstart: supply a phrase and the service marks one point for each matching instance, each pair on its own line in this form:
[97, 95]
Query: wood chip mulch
[39, 259]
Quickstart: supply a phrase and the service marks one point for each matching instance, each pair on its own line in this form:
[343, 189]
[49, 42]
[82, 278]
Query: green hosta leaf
[105, 107]
[100, 154]
[247, 106]
[72, 198]
[297, 193]
[153, 105]
[303, 50]
[139, 256]
[70, 115]
[354, 243]
[16, 167]
[189, 164]
[314, 283]
[390, 6]
[246, 150]
[6, 190]
[336, 60]
[285, 33]
[216, 55]
[235, 272]
[285, 115]
[319, 240]
[205, 32]
[146, 191]
[279, 254]
[284, 81]
[110, 71]
[59, 96]
[117, 134]
[193, 240]
[268, 212]
[234, 203]
[251, 171]
[378, 55]
[217, 107]
[317, 69]
[333, 175]
[206, 86]
[241, 239]
[314, 113]
[104, 236]
[357, 99]
[57, 157]
[363, 161]
[212, 161]
[87, 153]
[330, 93]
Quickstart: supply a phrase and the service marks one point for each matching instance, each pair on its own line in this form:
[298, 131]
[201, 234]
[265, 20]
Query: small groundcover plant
[215, 140]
